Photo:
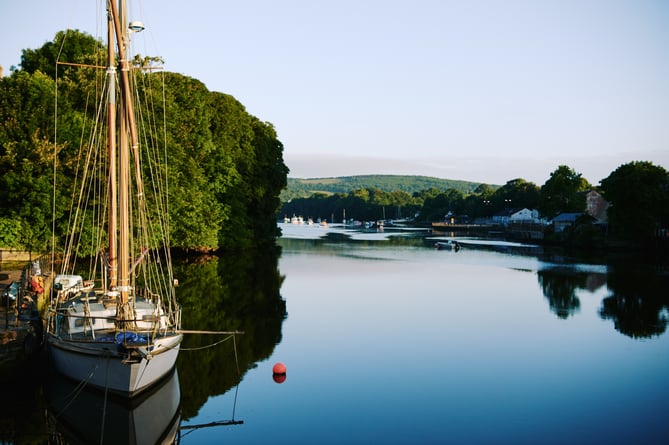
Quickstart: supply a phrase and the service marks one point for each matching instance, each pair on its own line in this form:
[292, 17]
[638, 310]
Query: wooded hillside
[304, 188]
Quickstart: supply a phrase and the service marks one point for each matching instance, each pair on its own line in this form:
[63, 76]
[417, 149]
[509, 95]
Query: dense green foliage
[639, 194]
[226, 167]
[563, 192]
[304, 188]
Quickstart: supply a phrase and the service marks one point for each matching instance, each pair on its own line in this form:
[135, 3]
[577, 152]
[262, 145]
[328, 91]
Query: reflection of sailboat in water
[87, 415]
[81, 413]
[190, 428]
[118, 331]
[185, 430]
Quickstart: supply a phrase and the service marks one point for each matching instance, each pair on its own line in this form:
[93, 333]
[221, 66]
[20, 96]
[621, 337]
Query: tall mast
[127, 127]
[111, 138]
[124, 162]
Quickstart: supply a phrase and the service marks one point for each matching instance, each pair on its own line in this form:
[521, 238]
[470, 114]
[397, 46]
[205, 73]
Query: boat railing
[61, 323]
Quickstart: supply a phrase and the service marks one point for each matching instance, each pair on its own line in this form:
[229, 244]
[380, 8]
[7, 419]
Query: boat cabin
[91, 312]
[66, 282]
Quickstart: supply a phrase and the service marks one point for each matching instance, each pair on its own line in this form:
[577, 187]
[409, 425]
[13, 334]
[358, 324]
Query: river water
[388, 340]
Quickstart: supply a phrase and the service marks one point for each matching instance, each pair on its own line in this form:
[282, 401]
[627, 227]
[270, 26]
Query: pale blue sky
[476, 90]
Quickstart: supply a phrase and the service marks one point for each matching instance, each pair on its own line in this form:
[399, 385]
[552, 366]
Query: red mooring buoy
[279, 372]
[279, 368]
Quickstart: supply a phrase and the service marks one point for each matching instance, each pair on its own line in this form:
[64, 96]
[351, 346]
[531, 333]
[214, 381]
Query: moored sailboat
[120, 330]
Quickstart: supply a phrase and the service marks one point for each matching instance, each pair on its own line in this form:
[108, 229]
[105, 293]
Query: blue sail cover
[130, 337]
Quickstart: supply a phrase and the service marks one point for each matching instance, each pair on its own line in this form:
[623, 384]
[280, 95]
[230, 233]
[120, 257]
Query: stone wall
[16, 255]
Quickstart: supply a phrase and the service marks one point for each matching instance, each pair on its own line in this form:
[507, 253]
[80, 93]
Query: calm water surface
[388, 340]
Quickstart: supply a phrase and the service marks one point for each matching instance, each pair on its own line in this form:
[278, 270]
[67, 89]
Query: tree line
[638, 194]
[304, 188]
[226, 166]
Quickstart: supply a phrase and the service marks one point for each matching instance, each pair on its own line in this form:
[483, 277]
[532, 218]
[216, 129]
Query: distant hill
[304, 188]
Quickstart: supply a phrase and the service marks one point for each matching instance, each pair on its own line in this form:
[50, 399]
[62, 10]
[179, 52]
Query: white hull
[103, 365]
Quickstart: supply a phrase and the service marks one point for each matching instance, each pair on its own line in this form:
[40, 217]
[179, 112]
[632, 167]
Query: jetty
[21, 325]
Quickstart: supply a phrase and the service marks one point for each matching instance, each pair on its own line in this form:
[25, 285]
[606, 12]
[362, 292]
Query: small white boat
[447, 245]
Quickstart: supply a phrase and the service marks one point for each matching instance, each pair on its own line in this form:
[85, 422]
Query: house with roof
[524, 216]
[508, 216]
[502, 217]
[565, 221]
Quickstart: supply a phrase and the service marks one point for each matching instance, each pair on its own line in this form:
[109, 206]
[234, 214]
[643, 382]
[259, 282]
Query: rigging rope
[104, 404]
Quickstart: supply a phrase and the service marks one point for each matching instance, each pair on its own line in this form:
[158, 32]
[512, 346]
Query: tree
[226, 168]
[563, 192]
[639, 197]
[484, 191]
[268, 175]
[26, 155]
[516, 193]
[71, 46]
[435, 208]
[11, 229]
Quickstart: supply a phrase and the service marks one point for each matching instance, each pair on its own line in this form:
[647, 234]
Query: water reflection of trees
[639, 303]
[559, 286]
[239, 291]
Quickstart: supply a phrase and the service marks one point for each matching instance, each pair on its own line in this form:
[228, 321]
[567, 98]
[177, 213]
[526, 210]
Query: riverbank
[585, 240]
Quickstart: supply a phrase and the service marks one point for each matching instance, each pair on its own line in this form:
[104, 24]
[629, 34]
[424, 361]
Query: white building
[524, 215]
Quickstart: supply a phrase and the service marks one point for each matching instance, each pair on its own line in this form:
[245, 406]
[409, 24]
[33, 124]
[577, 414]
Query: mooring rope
[212, 345]
[234, 343]
[239, 374]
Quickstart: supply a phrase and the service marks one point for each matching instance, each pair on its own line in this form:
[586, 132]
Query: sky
[480, 90]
